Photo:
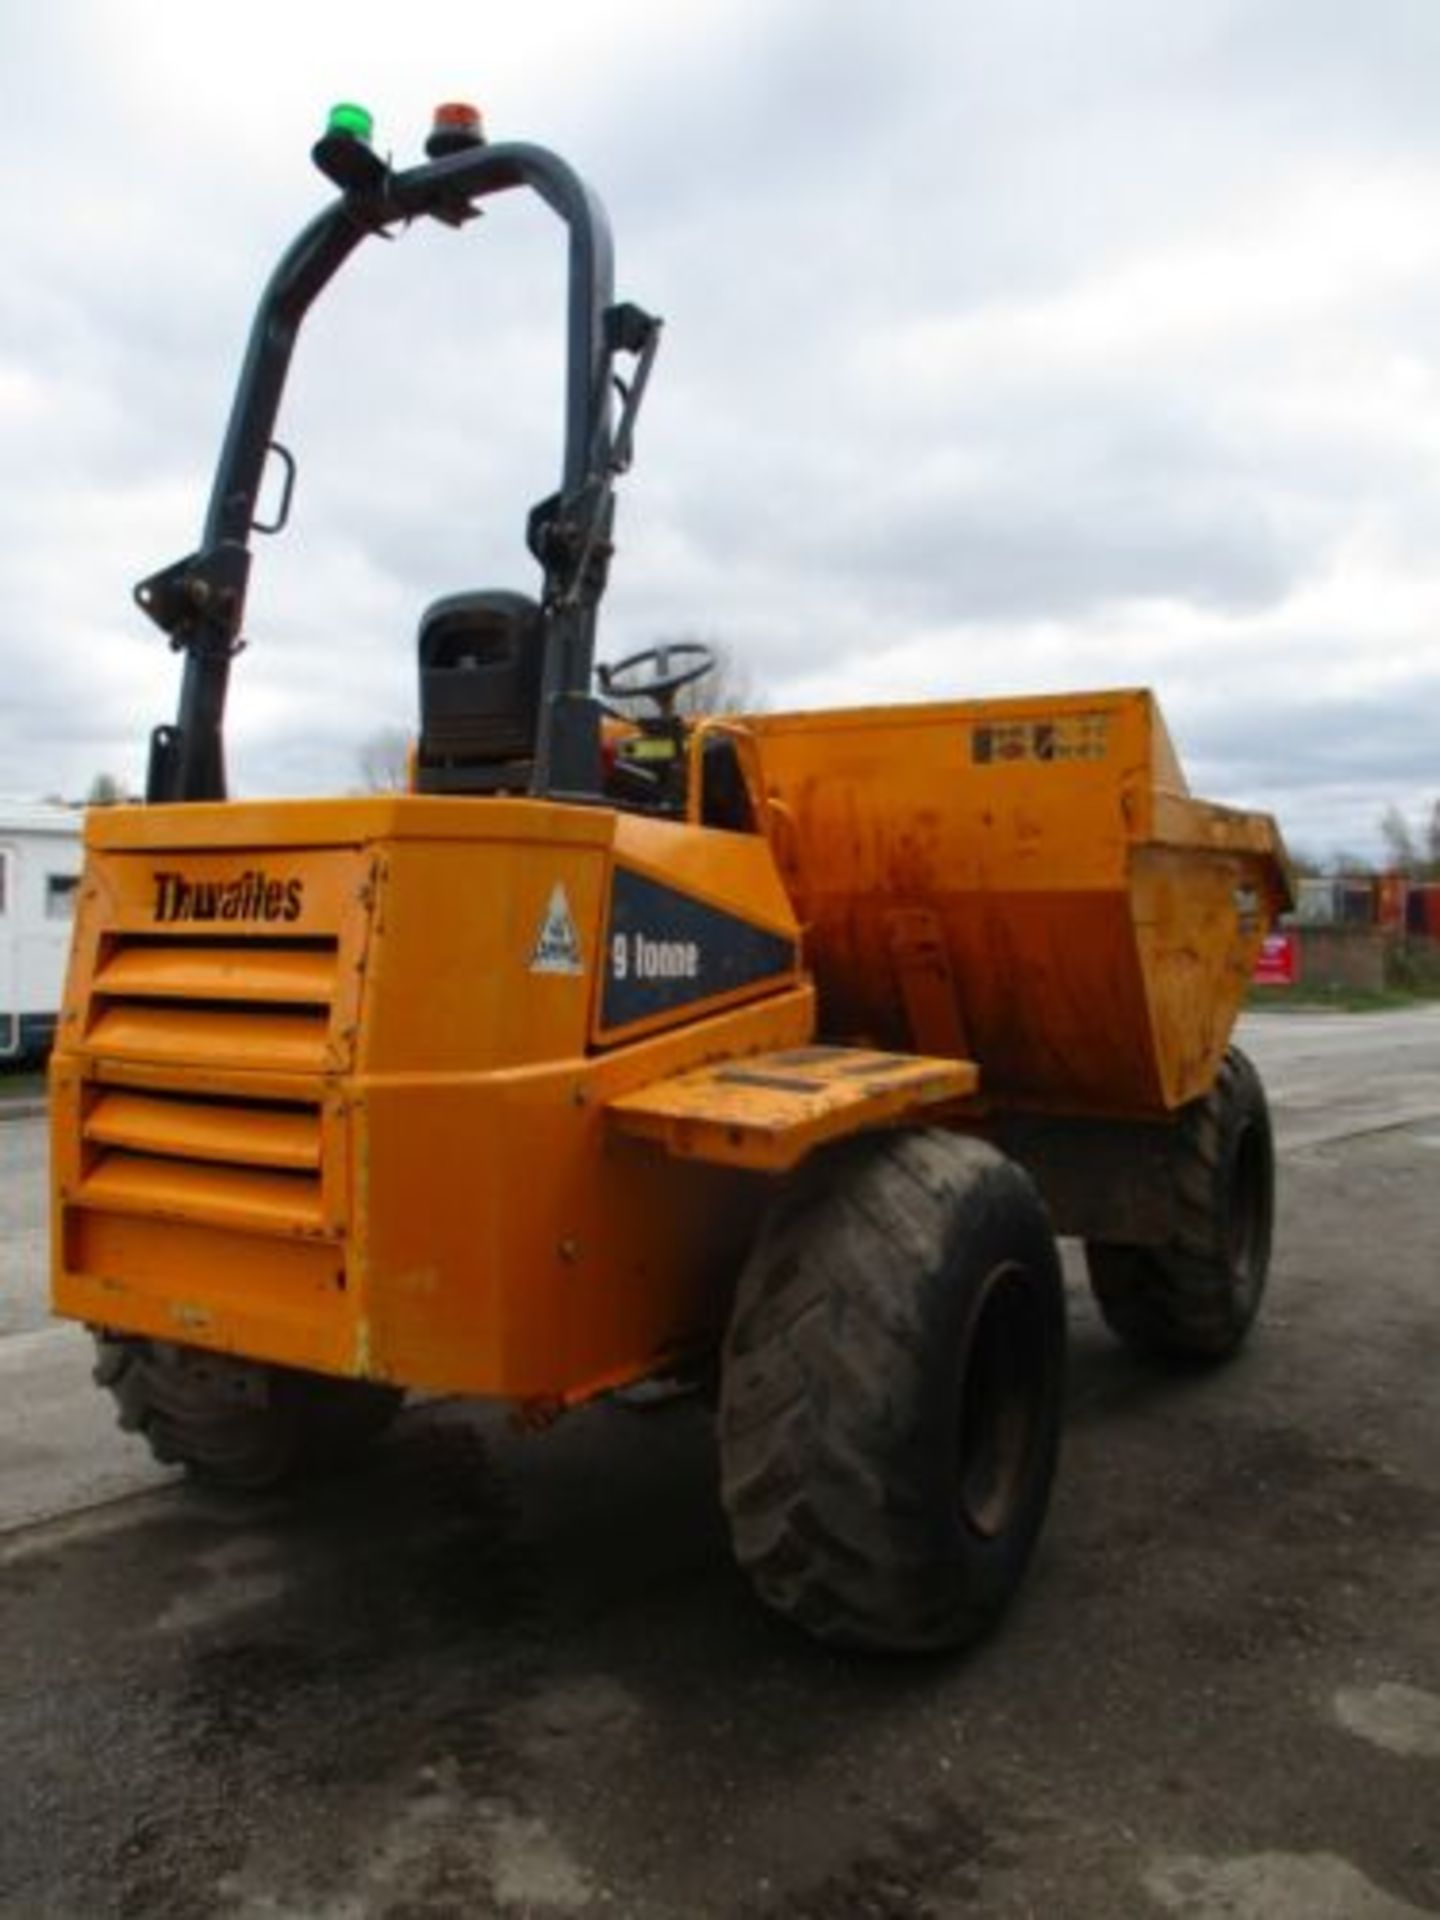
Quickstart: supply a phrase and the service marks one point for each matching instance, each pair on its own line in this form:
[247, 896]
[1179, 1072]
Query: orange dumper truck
[626, 1044]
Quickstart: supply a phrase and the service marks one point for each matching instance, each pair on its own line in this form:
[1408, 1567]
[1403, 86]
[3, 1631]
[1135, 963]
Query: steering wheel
[674, 664]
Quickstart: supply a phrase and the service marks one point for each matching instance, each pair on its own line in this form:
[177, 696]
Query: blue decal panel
[666, 950]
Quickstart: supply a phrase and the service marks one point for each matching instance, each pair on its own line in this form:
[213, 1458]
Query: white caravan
[40, 857]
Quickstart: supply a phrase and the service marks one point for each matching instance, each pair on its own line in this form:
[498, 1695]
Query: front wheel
[1194, 1300]
[891, 1397]
[238, 1423]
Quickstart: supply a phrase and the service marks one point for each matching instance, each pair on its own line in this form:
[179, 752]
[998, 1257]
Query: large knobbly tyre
[891, 1397]
[237, 1423]
[1194, 1299]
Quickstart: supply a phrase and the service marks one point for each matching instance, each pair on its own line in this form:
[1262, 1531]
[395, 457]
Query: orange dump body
[1027, 883]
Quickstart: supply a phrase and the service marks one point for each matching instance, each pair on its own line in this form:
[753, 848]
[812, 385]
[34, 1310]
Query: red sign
[1278, 962]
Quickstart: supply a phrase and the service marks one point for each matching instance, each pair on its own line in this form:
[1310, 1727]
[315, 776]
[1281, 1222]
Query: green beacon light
[343, 152]
[348, 119]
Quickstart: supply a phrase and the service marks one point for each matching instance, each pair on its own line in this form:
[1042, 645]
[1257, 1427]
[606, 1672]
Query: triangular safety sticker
[557, 945]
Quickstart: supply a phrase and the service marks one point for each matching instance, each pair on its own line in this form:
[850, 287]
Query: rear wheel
[238, 1423]
[891, 1397]
[1194, 1300]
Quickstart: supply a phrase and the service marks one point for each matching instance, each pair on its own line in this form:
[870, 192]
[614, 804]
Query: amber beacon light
[454, 126]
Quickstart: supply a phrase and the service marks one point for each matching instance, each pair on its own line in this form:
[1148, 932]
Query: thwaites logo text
[254, 895]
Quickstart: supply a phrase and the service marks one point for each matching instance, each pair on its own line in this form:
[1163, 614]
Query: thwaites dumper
[617, 1046]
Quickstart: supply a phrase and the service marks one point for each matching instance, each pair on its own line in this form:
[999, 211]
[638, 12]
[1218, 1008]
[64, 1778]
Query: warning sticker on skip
[1078, 736]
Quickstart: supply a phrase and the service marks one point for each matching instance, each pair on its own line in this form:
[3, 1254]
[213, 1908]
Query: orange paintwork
[1097, 923]
[279, 1137]
[205, 973]
[767, 1112]
[323, 1094]
[371, 1138]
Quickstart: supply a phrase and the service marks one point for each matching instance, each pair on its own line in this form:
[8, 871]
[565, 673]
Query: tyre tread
[824, 1462]
[235, 1423]
[1183, 1302]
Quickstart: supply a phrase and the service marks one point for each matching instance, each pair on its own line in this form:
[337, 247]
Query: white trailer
[40, 859]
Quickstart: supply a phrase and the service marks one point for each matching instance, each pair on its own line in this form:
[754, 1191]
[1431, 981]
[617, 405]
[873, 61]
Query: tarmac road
[520, 1677]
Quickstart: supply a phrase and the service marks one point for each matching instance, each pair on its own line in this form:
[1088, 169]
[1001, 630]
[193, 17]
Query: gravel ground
[521, 1677]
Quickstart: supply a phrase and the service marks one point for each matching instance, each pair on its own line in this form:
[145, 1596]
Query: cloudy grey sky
[1044, 345]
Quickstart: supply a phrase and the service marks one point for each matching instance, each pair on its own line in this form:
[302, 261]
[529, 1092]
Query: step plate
[767, 1111]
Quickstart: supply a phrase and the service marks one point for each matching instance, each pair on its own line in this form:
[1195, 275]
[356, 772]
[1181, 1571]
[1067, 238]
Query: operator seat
[481, 658]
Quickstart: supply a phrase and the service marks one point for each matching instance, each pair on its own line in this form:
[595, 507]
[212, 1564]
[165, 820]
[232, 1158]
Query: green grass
[21, 1086]
[1304, 999]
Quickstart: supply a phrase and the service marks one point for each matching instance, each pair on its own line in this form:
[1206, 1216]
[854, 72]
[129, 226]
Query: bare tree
[1401, 852]
[1305, 864]
[730, 688]
[383, 758]
[1411, 851]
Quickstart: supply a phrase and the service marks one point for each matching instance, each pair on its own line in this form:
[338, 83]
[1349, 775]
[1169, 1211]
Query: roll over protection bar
[200, 600]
